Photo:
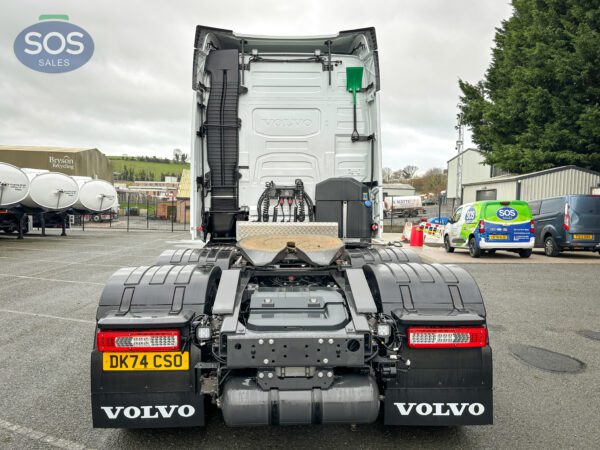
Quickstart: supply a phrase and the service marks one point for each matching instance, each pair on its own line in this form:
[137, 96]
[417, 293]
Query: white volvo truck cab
[295, 120]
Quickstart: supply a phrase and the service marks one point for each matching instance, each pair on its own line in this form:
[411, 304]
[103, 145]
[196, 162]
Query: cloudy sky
[134, 96]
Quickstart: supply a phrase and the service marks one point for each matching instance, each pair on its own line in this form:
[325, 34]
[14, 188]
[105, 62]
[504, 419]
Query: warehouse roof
[465, 151]
[504, 178]
[397, 186]
[32, 148]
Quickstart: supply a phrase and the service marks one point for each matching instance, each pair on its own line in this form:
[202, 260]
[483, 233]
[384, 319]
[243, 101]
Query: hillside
[145, 170]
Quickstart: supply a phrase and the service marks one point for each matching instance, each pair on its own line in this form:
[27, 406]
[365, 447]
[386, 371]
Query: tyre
[447, 245]
[474, 249]
[525, 253]
[96, 218]
[9, 230]
[550, 247]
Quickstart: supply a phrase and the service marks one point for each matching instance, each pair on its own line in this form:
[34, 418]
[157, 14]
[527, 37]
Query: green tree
[538, 105]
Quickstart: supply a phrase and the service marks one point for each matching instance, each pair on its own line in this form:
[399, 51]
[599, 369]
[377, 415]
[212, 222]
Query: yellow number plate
[583, 236]
[498, 237]
[145, 361]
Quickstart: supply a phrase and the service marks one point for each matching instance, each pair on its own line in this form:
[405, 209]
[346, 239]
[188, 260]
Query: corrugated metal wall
[565, 182]
[504, 191]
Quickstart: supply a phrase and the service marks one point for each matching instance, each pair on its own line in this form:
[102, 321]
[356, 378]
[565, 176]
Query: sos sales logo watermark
[54, 45]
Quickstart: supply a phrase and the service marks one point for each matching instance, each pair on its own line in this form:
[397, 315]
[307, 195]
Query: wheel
[492, 252]
[9, 230]
[447, 245]
[550, 247]
[525, 253]
[96, 218]
[474, 249]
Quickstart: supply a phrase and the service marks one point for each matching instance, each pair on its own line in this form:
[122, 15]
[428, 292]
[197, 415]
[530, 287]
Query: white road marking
[49, 279]
[53, 261]
[40, 436]
[46, 316]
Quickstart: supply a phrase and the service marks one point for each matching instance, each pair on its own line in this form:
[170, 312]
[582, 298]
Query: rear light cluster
[481, 226]
[447, 337]
[567, 223]
[532, 227]
[138, 341]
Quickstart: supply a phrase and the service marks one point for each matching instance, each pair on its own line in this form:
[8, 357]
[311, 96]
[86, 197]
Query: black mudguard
[441, 387]
[380, 254]
[151, 298]
[214, 255]
[145, 399]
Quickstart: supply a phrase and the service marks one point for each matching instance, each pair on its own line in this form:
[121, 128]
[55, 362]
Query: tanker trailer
[50, 193]
[293, 312]
[14, 187]
[97, 199]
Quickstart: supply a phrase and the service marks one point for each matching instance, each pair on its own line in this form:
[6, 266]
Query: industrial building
[473, 168]
[87, 162]
[471, 179]
[533, 186]
[397, 190]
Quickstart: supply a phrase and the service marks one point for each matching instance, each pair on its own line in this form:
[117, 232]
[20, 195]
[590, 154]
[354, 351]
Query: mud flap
[438, 407]
[148, 410]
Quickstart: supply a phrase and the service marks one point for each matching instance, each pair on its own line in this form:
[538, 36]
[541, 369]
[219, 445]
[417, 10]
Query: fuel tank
[351, 399]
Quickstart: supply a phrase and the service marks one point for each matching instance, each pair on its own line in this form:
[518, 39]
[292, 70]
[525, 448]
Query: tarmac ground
[49, 289]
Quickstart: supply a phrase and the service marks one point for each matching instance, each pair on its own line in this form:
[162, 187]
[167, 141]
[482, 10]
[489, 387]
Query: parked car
[438, 220]
[490, 226]
[570, 222]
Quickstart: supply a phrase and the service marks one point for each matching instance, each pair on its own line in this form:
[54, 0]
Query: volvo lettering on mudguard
[148, 412]
[440, 409]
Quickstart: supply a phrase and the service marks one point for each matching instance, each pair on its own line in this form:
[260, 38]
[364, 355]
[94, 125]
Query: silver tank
[352, 399]
[95, 195]
[50, 191]
[14, 185]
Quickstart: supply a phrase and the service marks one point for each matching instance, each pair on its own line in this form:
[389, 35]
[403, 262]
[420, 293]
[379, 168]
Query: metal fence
[395, 219]
[140, 211]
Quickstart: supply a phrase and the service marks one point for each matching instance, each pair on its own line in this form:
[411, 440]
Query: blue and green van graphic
[491, 225]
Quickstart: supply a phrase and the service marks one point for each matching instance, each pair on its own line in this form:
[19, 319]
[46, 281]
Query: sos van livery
[490, 226]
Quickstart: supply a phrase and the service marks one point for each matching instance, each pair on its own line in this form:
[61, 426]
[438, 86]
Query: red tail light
[446, 337]
[481, 226]
[374, 227]
[138, 341]
[567, 223]
[532, 227]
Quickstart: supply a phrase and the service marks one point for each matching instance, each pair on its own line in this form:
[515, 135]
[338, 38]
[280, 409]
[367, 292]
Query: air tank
[14, 185]
[50, 191]
[95, 195]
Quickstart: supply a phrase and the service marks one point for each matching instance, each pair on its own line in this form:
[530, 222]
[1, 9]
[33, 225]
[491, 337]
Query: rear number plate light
[138, 341]
[446, 337]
